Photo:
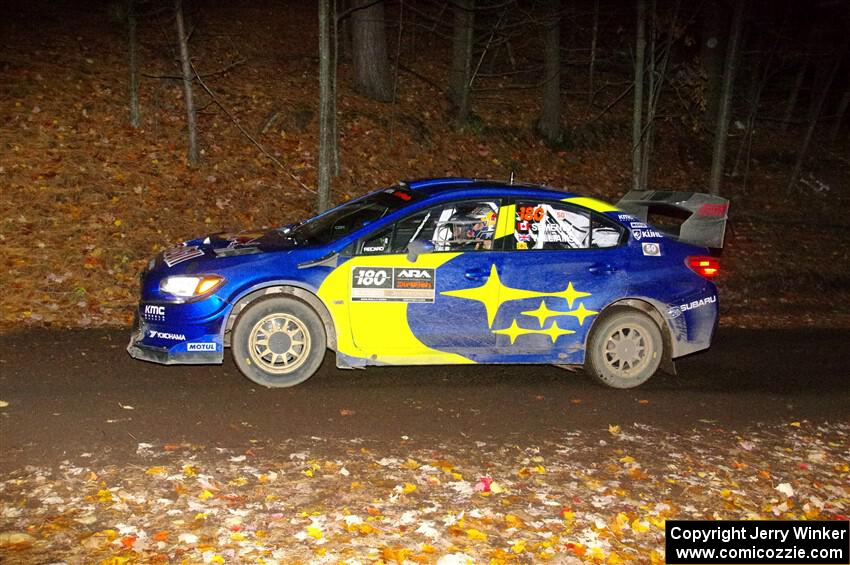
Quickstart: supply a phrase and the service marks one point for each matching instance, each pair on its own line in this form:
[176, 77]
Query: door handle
[476, 274]
[602, 269]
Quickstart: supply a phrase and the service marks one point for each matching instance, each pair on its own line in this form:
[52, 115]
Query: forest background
[130, 126]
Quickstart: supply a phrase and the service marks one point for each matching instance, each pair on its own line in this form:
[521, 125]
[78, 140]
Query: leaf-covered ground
[86, 200]
[597, 496]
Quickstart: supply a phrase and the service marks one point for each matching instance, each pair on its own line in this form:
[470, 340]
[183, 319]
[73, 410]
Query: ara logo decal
[165, 335]
[389, 284]
[415, 273]
[181, 253]
[154, 313]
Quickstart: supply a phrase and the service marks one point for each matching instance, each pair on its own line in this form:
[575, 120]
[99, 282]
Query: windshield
[350, 217]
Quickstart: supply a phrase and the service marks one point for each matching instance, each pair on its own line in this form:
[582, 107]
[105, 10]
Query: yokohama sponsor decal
[166, 335]
[392, 284]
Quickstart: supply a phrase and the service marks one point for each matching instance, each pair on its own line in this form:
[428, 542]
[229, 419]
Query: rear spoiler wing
[707, 214]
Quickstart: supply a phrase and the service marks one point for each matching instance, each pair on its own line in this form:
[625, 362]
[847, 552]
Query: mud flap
[705, 225]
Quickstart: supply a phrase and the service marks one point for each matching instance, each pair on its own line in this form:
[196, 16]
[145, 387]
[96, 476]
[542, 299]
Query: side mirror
[418, 247]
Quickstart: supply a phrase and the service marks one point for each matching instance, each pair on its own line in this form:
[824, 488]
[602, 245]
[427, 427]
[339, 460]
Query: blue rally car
[445, 271]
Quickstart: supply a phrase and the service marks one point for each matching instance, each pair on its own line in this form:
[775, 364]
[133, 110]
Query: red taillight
[707, 267]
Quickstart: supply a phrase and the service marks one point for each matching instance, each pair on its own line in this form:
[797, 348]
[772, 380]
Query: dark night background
[88, 198]
[104, 459]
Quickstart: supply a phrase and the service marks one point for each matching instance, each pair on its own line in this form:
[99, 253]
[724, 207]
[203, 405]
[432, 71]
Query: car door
[562, 266]
[413, 309]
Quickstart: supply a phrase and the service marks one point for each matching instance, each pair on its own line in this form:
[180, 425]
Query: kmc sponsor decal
[392, 284]
[200, 346]
[153, 313]
[166, 335]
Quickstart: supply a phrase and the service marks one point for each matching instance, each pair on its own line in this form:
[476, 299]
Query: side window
[551, 225]
[458, 226]
[464, 226]
[377, 244]
[606, 233]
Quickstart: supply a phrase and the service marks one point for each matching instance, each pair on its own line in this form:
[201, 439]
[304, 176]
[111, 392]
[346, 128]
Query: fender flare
[302, 294]
[651, 310]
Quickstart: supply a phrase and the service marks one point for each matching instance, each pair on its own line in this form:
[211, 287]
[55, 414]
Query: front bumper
[197, 350]
[164, 357]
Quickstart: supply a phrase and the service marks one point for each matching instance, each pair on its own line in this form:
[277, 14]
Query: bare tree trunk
[795, 92]
[712, 51]
[637, 116]
[839, 116]
[759, 74]
[549, 124]
[325, 109]
[718, 157]
[463, 35]
[344, 31]
[369, 40]
[193, 155]
[649, 127]
[815, 113]
[133, 45]
[334, 70]
[591, 94]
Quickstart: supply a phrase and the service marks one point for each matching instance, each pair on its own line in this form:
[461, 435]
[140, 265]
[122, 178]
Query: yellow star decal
[513, 332]
[492, 294]
[581, 313]
[572, 294]
[487, 294]
[542, 313]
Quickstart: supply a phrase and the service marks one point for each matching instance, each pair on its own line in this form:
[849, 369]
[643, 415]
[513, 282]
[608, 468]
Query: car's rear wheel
[625, 349]
[278, 342]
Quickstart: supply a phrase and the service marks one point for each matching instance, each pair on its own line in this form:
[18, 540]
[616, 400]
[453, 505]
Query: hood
[228, 244]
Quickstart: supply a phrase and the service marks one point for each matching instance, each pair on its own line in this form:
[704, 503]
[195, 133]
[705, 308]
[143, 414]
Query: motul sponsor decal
[392, 284]
[200, 346]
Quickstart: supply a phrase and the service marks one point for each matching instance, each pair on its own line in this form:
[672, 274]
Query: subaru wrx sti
[445, 271]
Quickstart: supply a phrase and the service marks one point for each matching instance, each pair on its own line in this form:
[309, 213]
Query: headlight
[190, 286]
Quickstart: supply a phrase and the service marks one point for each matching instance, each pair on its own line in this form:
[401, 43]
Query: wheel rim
[279, 343]
[627, 351]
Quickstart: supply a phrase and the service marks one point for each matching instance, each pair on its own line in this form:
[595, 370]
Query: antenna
[511, 181]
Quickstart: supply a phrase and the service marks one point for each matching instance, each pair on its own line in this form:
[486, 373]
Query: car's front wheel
[278, 342]
[625, 349]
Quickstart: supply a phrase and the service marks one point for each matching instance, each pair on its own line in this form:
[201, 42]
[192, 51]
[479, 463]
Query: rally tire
[625, 349]
[278, 342]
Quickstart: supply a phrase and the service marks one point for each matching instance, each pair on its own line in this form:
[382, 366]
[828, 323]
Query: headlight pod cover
[186, 286]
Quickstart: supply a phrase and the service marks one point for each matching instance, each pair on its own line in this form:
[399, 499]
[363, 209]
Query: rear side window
[557, 225]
